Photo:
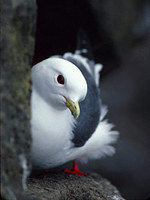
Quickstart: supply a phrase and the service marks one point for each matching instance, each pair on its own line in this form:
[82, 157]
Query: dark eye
[60, 79]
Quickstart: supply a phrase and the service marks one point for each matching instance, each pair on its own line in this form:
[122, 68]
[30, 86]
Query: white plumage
[52, 122]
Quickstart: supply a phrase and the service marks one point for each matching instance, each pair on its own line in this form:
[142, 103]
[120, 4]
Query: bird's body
[57, 136]
[49, 140]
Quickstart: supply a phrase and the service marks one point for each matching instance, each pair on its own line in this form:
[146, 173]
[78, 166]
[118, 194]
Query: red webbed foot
[75, 170]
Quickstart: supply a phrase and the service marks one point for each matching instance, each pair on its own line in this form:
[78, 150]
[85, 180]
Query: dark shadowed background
[119, 32]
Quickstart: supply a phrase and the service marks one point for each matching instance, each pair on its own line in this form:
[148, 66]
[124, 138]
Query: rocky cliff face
[17, 45]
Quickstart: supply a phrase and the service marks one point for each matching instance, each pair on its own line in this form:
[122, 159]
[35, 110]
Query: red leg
[75, 170]
[46, 170]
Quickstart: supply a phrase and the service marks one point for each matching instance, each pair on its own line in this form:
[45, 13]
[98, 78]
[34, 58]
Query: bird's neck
[47, 115]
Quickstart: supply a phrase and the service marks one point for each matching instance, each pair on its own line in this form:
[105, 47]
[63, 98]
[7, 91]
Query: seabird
[67, 117]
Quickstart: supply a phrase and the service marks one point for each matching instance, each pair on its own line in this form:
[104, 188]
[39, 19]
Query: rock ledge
[58, 186]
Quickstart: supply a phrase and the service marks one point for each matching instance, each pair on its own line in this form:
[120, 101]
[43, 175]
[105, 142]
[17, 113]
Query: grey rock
[17, 45]
[59, 186]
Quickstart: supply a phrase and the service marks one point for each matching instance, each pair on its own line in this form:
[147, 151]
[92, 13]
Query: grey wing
[90, 108]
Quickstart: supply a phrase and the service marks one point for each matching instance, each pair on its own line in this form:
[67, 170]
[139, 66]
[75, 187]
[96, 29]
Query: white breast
[51, 135]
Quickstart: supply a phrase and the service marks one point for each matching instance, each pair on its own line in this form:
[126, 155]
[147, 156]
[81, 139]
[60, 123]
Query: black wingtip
[83, 45]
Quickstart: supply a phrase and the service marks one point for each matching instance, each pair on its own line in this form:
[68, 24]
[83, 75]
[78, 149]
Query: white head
[57, 80]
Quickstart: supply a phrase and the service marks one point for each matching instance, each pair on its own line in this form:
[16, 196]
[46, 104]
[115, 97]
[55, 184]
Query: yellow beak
[74, 107]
